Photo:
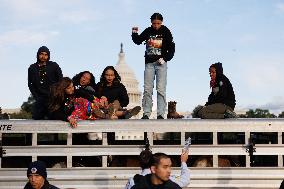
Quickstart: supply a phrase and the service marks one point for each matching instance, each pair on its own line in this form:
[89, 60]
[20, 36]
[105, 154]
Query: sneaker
[230, 114]
[132, 112]
[160, 117]
[145, 117]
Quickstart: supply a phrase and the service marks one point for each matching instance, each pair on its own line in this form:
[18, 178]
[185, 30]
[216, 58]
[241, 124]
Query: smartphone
[187, 144]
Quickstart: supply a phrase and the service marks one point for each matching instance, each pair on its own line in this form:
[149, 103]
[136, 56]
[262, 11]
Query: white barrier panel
[83, 178]
[107, 177]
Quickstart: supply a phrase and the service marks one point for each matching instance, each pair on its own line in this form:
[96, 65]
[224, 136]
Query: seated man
[37, 176]
[161, 165]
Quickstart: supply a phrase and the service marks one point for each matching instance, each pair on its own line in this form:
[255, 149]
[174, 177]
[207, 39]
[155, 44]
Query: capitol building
[129, 80]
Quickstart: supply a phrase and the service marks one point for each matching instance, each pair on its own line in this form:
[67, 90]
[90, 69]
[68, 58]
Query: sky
[246, 36]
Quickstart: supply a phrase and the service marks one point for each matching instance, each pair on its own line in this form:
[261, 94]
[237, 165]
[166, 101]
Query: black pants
[40, 108]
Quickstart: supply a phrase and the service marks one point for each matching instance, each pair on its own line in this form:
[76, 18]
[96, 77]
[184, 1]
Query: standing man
[41, 75]
[161, 166]
[160, 49]
[37, 176]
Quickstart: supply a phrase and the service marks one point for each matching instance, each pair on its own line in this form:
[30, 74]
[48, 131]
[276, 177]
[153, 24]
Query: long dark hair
[77, 77]
[117, 78]
[57, 93]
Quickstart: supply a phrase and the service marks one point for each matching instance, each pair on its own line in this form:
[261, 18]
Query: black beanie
[37, 167]
[43, 49]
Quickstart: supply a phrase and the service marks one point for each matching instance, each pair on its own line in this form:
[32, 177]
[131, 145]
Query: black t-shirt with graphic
[159, 43]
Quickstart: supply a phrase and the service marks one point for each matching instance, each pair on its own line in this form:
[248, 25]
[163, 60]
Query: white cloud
[280, 6]
[25, 8]
[22, 37]
[76, 17]
[263, 73]
[247, 38]
[275, 106]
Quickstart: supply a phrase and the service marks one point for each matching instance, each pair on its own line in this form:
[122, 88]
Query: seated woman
[221, 101]
[84, 83]
[111, 88]
[65, 105]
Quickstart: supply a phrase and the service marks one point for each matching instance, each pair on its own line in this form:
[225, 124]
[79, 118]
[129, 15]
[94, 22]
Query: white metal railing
[98, 178]
[150, 126]
[107, 177]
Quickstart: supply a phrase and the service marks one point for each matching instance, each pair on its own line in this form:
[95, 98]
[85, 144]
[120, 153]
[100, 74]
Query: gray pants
[213, 111]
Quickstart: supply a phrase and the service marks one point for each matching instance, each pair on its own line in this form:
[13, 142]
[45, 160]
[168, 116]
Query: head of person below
[221, 101]
[160, 165]
[37, 176]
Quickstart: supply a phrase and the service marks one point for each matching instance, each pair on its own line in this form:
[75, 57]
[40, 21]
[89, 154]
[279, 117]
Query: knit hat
[37, 167]
[43, 49]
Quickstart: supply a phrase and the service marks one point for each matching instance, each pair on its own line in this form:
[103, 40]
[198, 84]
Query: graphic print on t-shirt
[154, 45]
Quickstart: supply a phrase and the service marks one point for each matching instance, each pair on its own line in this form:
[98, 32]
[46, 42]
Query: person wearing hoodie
[41, 75]
[221, 101]
[37, 176]
[160, 49]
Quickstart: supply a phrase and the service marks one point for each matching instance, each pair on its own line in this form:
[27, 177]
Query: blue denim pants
[152, 71]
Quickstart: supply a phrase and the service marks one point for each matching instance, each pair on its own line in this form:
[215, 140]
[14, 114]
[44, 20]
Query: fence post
[280, 157]
[34, 143]
[247, 136]
[104, 143]
[69, 144]
[215, 142]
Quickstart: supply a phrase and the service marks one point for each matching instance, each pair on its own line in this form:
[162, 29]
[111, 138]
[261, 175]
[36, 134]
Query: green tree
[281, 115]
[26, 110]
[27, 106]
[259, 113]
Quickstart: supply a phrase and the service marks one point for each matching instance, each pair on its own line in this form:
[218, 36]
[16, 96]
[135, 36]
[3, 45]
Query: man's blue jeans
[160, 71]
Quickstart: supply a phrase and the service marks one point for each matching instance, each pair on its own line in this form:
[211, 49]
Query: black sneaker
[230, 114]
[160, 117]
[134, 111]
[145, 117]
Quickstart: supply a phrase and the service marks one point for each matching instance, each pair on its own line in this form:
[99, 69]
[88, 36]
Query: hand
[103, 101]
[184, 156]
[134, 29]
[161, 61]
[73, 122]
